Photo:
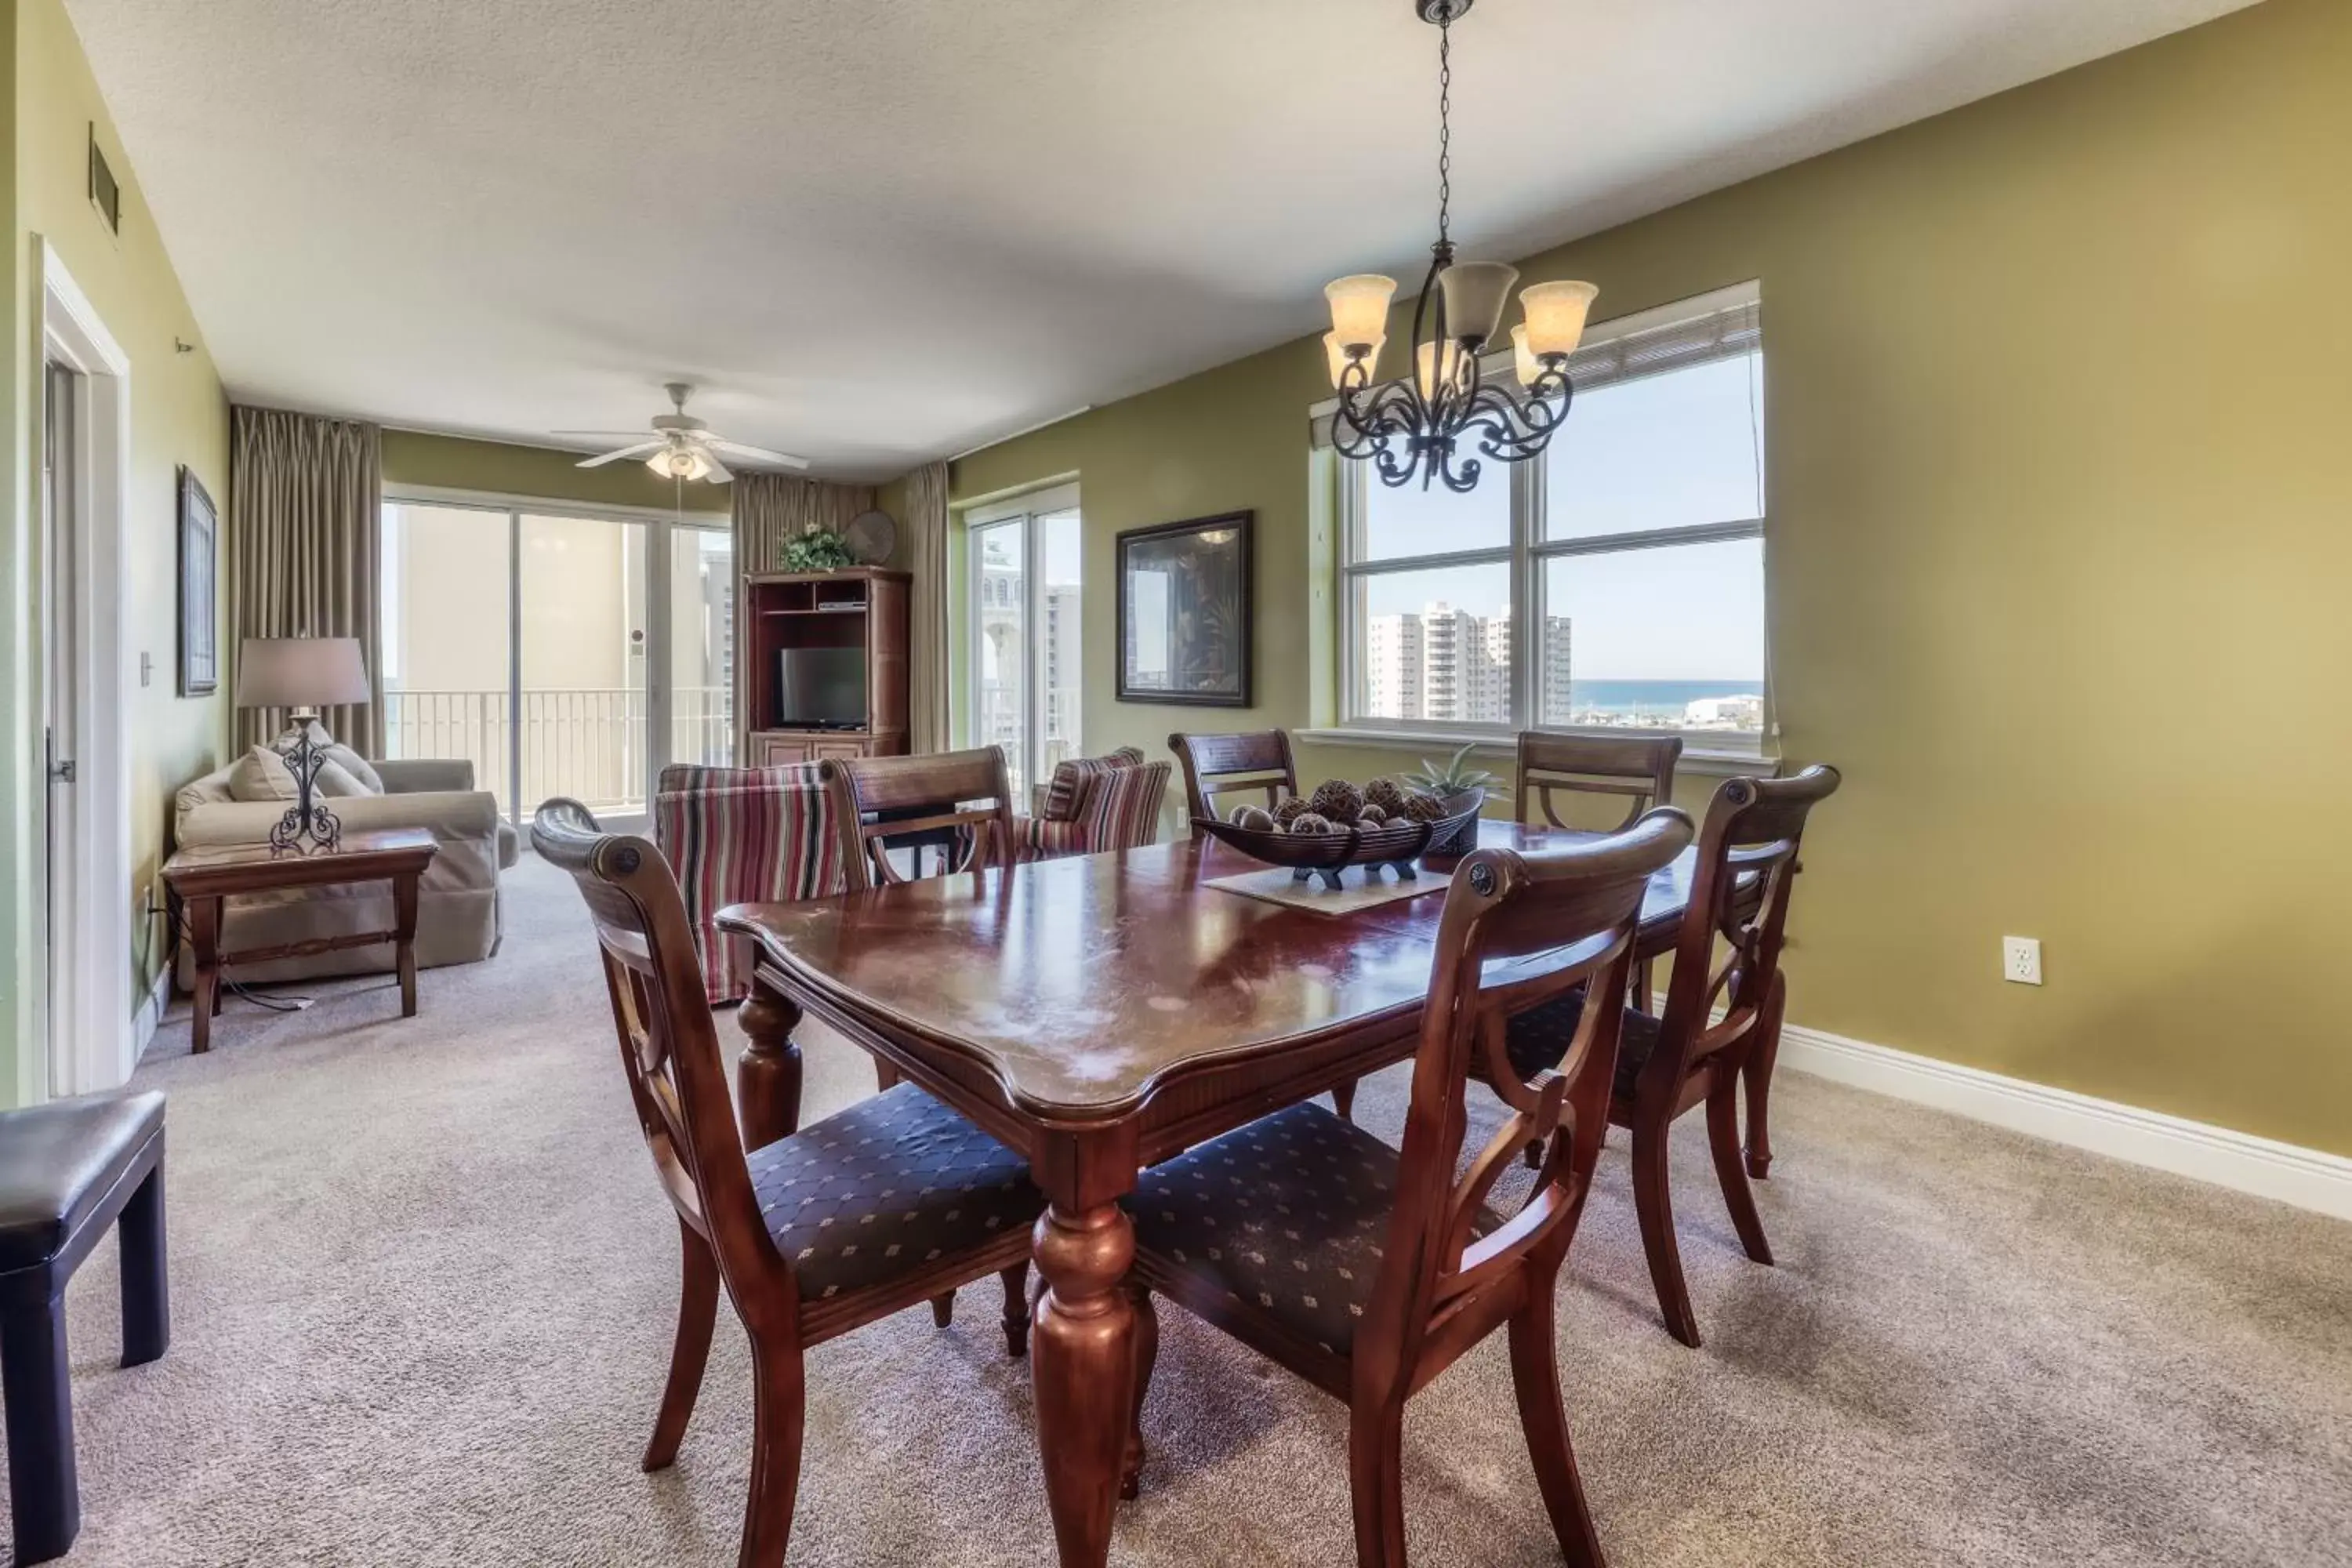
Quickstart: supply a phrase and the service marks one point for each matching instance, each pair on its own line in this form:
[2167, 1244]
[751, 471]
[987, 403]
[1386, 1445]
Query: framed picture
[199, 585]
[1185, 612]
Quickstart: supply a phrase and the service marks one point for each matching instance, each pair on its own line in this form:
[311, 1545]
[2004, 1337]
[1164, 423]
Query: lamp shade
[1359, 307]
[1523, 358]
[1555, 313]
[1474, 292]
[301, 672]
[1336, 353]
[1449, 368]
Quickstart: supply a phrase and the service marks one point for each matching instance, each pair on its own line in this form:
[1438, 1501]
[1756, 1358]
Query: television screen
[820, 687]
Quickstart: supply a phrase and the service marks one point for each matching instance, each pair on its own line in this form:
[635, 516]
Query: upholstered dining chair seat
[1288, 1215]
[878, 1190]
[1538, 1039]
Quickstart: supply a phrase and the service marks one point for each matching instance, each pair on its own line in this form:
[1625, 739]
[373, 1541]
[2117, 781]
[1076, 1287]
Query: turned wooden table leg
[403, 922]
[767, 1078]
[204, 936]
[1082, 1357]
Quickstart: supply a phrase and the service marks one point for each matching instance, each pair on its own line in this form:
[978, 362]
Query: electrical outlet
[2020, 960]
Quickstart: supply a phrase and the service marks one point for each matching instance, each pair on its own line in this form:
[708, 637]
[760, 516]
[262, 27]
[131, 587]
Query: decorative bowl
[1396, 844]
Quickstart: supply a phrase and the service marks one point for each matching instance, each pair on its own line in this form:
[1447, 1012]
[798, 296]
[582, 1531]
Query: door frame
[89, 1026]
[1028, 508]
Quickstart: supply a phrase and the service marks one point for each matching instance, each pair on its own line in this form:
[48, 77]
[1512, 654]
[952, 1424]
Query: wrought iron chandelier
[1414, 425]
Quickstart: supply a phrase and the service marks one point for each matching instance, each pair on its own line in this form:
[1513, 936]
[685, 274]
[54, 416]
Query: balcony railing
[586, 742]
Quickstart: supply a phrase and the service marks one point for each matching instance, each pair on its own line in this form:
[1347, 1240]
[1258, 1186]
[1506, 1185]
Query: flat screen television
[821, 688]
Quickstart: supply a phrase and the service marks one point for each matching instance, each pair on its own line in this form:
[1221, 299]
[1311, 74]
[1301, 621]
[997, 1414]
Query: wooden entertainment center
[861, 608]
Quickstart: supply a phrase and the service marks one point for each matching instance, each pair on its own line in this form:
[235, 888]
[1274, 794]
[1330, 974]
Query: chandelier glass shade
[1418, 426]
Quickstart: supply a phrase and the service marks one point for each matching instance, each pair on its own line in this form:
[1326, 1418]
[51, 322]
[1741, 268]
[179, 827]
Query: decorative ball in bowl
[1340, 826]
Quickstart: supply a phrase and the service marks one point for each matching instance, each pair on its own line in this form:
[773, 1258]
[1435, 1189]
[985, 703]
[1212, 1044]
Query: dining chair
[1640, 769]
[966, 794]
[833, 1227]
[1685, 1058]
[1368, 1269]
[1226, 764]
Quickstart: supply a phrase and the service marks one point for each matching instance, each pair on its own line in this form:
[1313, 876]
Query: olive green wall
[2060, 530]
[178, 416]
[502, 467]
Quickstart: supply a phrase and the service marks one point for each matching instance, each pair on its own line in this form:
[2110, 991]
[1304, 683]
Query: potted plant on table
[817, 549]
[1462, 788]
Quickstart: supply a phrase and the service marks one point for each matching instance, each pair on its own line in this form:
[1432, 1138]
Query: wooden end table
[202, 878]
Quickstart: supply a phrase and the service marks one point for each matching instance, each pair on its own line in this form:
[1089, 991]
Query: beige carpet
[423, 1286]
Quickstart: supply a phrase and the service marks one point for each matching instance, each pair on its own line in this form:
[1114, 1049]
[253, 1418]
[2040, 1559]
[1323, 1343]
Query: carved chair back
[1754, 828]
[1221, 764]
[884, 797]
[669, 1049]
[1641, 769]
[1579, 908]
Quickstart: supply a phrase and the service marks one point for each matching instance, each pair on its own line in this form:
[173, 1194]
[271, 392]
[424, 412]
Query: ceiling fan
[683, 448]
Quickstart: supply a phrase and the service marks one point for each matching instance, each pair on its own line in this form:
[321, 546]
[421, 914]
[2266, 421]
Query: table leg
[768, 1078]
[204, 936]
[403, 921]
[1082, 1358]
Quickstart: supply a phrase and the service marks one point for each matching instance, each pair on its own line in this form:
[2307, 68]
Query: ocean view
[1659, 697]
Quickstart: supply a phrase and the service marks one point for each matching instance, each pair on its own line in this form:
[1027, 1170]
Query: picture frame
[199, 588]
[1187, 612]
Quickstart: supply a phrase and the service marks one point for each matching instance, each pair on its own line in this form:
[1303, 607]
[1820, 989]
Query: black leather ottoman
[67, 1170]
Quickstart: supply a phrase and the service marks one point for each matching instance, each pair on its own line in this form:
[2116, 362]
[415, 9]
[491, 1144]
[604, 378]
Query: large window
[1633, 548]
[1023, 565]
[563, 651]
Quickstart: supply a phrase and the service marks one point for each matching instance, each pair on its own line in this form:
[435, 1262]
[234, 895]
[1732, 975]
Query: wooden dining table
[1103, 1012]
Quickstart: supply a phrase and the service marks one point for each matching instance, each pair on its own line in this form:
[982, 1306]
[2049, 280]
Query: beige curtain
[769, 509]
[305, 513]
[925, 544]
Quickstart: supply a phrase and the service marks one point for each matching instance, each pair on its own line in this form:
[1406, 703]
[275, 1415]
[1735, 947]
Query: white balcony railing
[586, 742]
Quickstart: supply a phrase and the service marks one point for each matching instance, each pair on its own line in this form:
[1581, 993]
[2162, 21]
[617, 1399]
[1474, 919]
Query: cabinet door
[777, 751]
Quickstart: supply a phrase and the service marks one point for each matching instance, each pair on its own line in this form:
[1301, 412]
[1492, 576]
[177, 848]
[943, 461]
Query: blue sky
[1663, 452]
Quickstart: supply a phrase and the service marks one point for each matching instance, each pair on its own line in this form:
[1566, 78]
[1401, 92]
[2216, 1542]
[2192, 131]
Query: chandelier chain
[1444, 124]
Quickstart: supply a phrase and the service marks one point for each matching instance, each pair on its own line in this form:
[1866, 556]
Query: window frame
[1028, 508]
[1526, 554]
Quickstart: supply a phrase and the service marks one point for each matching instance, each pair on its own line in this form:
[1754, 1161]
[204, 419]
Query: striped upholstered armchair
[735, 836]
[1095, 804]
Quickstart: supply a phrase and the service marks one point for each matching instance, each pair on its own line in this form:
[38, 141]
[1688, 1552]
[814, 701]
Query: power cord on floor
[178, 932]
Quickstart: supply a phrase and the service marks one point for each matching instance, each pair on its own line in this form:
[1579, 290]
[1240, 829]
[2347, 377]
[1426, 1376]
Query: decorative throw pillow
[350, 761]
[261, 775]
[336, 780]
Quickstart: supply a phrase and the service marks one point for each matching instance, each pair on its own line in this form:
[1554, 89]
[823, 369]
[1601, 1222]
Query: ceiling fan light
[1474, 294]
[1336, 351]
[1555, 313]
[1359, 307]
[678, 463]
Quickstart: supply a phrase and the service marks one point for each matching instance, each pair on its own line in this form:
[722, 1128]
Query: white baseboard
[144, 1022]
[2306, 1178]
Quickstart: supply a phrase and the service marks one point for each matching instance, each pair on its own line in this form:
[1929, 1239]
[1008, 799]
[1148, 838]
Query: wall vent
[105, 192]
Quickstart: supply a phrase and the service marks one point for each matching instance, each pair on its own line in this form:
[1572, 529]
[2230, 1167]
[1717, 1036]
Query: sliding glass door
[1023, 563]
[562, 652]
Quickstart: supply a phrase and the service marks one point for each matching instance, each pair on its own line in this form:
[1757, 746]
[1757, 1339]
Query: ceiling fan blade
[643, 450]
[760, 454]
[718, 474]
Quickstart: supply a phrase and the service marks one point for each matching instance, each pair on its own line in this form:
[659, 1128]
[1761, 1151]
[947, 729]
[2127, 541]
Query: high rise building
[1444, 663]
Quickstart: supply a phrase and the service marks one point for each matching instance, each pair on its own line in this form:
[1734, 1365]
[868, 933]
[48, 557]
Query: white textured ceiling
[879, 231]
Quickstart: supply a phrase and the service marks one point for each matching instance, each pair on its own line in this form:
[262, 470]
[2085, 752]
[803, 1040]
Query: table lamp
[303, 674]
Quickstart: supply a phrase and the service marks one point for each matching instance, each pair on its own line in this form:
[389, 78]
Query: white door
[60, 659]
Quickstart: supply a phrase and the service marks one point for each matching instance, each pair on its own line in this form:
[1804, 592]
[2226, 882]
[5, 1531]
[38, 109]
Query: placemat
[1363, 889]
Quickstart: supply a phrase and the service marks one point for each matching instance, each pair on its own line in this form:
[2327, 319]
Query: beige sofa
[458, 919]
